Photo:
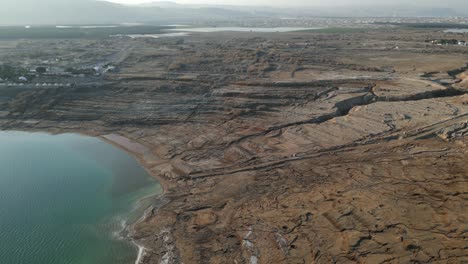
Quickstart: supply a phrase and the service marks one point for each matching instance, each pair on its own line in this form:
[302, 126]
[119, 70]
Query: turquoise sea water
[64, 199]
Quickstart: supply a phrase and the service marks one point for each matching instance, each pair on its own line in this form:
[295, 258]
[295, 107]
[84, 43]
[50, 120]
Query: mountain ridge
[54, 12]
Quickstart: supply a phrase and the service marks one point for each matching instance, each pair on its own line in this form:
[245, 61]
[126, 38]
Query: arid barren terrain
[305, 147]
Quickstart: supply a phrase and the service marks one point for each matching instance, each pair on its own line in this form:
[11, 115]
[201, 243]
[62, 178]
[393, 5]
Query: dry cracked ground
[280, 148]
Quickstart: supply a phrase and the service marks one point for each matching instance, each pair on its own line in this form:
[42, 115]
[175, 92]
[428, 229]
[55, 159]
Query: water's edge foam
[141, 253]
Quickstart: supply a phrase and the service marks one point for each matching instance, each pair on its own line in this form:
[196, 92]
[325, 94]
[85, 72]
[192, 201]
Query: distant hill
[59, 12]
[26, 12]
[364, 10]
[55, 12]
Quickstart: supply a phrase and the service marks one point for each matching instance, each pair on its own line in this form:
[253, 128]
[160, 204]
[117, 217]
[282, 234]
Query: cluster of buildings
[58, 72]
[441, 42]
[30, 85]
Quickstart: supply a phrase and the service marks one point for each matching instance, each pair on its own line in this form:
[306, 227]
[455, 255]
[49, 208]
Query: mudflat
[299, 147]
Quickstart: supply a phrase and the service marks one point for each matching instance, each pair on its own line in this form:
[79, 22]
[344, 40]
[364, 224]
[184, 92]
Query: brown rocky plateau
[275, 148]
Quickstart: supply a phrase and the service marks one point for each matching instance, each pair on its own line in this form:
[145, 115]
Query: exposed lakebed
[64, 199]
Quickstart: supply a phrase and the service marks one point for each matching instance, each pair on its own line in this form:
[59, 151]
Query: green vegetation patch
[336, 30]
[75, 32]
[8, 72]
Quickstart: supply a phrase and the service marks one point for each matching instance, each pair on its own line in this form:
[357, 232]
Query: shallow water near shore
[64, 199]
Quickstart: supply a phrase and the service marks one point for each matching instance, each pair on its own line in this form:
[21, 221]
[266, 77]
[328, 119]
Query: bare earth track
[280, 148]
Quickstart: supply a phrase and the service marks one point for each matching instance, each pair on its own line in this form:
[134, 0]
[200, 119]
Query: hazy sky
[224, 2]
[446, 3]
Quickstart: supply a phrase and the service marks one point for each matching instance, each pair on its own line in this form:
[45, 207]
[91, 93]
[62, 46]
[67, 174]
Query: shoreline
[127, 226]
[141, 253]
[141, 249]
[164, 184]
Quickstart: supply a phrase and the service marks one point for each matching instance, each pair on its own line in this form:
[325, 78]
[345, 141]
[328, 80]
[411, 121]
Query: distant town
[441, 42]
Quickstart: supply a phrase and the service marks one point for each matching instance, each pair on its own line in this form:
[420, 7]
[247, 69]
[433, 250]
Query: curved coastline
[164, 184]
[127, 227]
[139, 157]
